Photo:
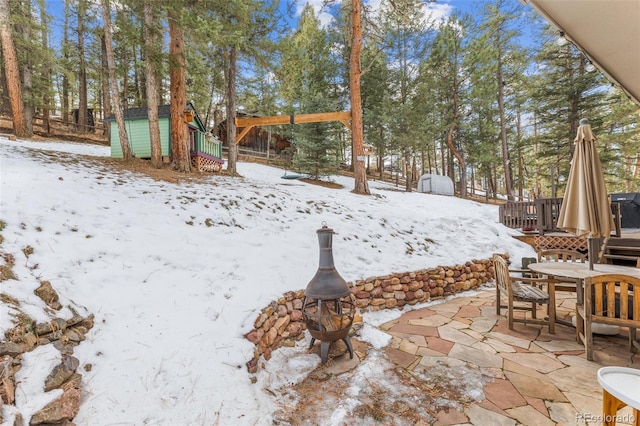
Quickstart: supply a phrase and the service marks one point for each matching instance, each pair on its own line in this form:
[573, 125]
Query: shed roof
[141, 113]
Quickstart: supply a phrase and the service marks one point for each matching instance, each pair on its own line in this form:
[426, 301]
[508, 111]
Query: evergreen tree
[450, 80]
[503, 63]
[308, 65]
[12, 72]
[563, 93]
[405, 38]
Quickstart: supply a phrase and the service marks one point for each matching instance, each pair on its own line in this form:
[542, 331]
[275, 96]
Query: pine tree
[308, 65]
[12, 72]
[405, 38]
[113, 83]
[152, 55]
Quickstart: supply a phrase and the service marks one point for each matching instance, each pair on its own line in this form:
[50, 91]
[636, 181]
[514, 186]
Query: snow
[176, 273]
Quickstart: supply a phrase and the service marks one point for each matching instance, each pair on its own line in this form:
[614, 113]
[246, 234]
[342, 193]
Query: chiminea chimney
[328, 307]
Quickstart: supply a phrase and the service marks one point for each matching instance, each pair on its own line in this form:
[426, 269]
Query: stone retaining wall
[281, 323]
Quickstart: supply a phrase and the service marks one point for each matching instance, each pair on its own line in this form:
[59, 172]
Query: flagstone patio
[529, 376]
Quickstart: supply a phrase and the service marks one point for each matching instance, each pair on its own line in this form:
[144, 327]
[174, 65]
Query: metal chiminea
[328, 307]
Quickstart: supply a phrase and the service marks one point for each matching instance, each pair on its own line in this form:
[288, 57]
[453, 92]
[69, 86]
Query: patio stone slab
[447, 309]
[450, 417]
[438, 344]
[483, 324]
[503, 394]
[538, 404]
[400, 358]
[459, 325]
[560, 346]
[514, 367]
[456, 336]
[527, 332]
[510, 340]
[408, 347]
[499, 346]
[474, 334]
[537, 361]
[588, 406]
[417, 340]
[408, 329]
[563, 413]
[475, 356]
[481, 416]
[484, 347]
[426, 352]
[469, 312]
[417, 314]
[527, 415]
[576, 379]
[434, 320]
[529, 386]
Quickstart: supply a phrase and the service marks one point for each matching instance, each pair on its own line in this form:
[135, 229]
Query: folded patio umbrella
[586, 208]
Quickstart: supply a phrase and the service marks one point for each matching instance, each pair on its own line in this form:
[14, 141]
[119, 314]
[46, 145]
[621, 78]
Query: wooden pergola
[248, 123]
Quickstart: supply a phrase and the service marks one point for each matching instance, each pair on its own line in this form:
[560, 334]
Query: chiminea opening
[328, 306]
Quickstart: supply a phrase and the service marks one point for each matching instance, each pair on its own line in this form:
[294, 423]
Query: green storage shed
[206, 152]
[136, 122]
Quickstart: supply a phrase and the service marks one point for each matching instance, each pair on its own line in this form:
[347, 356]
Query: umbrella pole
[593, 249]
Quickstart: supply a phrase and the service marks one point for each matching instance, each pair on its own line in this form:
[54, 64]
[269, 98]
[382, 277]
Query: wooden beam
[248, 123]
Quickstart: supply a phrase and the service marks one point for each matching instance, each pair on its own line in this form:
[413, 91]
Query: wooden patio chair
[523, 294]
[562, 255]
[612, 299]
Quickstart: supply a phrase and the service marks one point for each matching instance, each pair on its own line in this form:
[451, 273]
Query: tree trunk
[27, 70]
[408, 171]
[12, 72]
[506, 161]
[83, 120]
[150, 44]
[454, 152]
[46, 72]
[355, 73]
[232, 147]
[179, 130]
[107, 109]
[65, 79]
[113, 83]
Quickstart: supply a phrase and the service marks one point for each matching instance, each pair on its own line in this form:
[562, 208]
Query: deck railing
[541, 215]
[200, 144]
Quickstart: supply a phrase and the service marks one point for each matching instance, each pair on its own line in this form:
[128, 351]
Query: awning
[606, 31]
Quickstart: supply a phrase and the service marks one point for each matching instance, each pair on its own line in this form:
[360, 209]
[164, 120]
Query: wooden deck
[540, 217]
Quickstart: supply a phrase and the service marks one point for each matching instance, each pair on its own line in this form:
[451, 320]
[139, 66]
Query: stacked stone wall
[281, 323]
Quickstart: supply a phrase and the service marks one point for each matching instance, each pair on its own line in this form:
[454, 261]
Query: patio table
[580, 271]
[620, 387]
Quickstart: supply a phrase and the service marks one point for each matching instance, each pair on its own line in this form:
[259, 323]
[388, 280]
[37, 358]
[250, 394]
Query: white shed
[435, 184]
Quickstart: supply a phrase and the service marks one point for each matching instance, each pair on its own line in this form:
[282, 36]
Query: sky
[176, 273]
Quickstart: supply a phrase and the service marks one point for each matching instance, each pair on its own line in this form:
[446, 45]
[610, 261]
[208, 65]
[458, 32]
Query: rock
[60, 410]
[72, 382]
[65, 349]
[254, 336]
[74, 337]
[282, 323]
[282, 310]
[252, 366]
[61, 373]
[296, 315]
[10, 348]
